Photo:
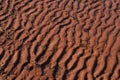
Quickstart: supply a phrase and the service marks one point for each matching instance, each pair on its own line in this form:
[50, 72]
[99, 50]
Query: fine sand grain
[59, 39]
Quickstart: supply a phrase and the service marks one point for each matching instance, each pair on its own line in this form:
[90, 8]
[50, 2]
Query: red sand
[59, 39]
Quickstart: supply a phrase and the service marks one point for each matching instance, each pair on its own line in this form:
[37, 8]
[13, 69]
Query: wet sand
[59, 39]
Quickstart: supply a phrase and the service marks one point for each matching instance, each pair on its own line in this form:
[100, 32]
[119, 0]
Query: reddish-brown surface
[59, 39]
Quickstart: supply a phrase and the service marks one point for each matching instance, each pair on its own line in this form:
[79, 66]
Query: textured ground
[59, 39]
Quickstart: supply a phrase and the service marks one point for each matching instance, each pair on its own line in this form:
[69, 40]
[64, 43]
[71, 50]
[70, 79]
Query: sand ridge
[59, 40]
